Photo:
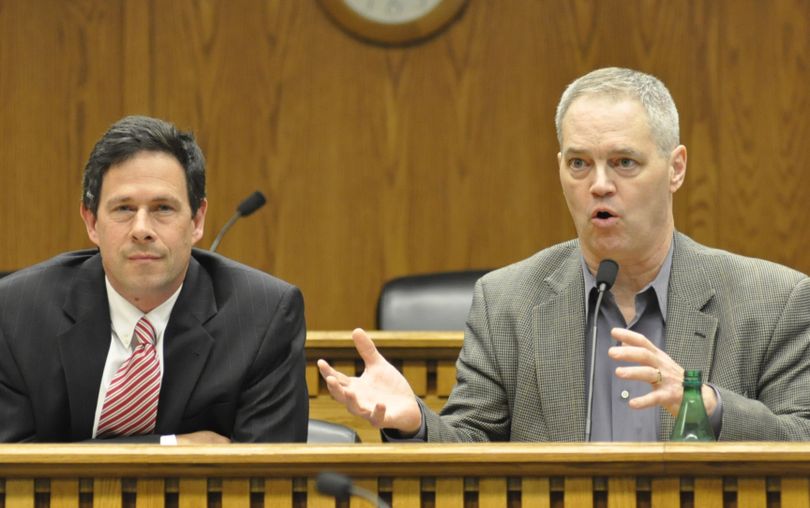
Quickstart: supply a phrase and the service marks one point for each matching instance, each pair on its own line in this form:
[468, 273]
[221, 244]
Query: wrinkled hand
[381, 394]
[666, 392]
[202, 437]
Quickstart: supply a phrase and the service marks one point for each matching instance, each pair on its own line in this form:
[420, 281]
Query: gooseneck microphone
[341, 486]
[605, 277]
[245, 208]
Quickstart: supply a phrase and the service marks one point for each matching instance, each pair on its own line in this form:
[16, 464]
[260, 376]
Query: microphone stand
[601, 290]
[235, 217]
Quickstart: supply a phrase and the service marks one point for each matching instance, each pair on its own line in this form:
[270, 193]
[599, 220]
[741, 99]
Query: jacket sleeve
[274, 403]
[477, 409]
[780, 410]
[16, 413]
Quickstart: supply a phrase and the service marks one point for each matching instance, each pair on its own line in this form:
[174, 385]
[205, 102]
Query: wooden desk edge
[482, 459]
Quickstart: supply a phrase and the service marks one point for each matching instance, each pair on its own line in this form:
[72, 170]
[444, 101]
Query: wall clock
[393, 21]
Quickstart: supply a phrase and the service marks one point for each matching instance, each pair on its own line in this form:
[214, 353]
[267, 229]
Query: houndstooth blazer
[520, 374]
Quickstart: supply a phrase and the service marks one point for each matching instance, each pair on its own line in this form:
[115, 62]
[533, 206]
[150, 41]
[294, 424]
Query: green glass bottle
[692, 423]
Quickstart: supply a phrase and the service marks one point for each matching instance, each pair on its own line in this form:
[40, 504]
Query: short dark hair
[134, 134]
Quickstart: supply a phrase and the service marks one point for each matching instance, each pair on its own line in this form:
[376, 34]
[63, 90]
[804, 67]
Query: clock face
[393, 21]
[392, 11]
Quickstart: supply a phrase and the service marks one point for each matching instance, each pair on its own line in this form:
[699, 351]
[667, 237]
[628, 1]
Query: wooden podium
[508, 475]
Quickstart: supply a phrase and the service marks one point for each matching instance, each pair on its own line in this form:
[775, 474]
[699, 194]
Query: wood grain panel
[194, 492]
[107, 493]
[379, 162]
[19, 493]
[795, 492]
[65, 493]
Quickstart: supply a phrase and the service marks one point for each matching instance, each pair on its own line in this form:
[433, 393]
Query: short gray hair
[620, 83]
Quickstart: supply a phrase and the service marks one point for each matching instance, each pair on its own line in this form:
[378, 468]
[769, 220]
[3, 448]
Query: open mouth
[603, 215]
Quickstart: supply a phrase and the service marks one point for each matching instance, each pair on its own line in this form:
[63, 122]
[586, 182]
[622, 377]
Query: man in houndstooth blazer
[675, 305]
[744, 322]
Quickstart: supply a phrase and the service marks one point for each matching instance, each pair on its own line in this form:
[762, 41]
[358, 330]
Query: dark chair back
[433, 301]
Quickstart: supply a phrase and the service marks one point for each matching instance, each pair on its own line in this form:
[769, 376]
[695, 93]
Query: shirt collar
[125, 316]
[660, 283]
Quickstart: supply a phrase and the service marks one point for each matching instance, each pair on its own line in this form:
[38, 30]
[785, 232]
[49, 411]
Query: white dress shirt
[124, 317]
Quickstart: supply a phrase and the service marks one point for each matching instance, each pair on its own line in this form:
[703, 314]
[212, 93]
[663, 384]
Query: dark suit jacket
[233, 352]
[744, 322]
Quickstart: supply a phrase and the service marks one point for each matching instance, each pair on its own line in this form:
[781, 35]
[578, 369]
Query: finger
[335, 389]
[649, 400]
[327, 371]
[632, 338]
[365, 346]
[377, 417]
[633, 354]
[645, 374]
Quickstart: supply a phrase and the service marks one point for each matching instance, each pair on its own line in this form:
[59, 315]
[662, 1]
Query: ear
[89, 219]
[677, 168]
[199, 222]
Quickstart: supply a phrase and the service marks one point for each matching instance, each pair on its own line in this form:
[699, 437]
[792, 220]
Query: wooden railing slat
[20, 493]
[666, 492]
[415, 371]
[235, 493]
[450, 492]
[751, 493]
[622, 492]
[150, 493]
[406, 493]
[65, 493]
[492, 493]
[709, 492]
[193, 492]
[107, 493]
[578, 492]
[278, 492]
[536, 492]
[795, 492]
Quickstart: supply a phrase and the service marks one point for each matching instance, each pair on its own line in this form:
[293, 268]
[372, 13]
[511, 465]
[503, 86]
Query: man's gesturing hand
[381, 394]
[654, 367]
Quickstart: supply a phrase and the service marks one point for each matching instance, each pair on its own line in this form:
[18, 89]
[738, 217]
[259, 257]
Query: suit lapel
[690, 332]
[559, 326]
[84, 345]
[186, 346]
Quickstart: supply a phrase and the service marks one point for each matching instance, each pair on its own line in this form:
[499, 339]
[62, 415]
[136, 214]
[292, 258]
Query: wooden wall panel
[379, 162]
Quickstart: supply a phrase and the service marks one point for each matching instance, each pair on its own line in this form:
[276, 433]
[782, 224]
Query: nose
[602, 183]
[142, 230]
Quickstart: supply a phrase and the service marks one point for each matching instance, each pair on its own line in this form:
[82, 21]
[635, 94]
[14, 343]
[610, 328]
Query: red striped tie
[130, 406]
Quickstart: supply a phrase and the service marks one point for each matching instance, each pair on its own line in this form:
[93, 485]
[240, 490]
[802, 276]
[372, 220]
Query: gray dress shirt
[612, 418]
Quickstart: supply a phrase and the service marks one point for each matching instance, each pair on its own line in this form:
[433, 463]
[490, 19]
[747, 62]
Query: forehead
[144, 175]
[600, 120]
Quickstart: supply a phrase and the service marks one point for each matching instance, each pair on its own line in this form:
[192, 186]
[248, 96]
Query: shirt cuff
[170, 440]
[394, 436]
[716, 419]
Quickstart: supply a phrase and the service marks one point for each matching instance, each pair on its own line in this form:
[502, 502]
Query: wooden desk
[409, 475]
[427, 359]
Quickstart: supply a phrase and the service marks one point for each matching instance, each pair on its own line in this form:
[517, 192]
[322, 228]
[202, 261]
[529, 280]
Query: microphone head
[251, 204]
[606, 274]
[334, 484]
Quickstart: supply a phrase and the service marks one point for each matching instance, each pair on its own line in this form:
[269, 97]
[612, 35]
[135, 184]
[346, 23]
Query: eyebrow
[157, 199]
[622, 152]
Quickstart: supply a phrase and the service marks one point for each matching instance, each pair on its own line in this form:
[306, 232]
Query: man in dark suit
[147, 339]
